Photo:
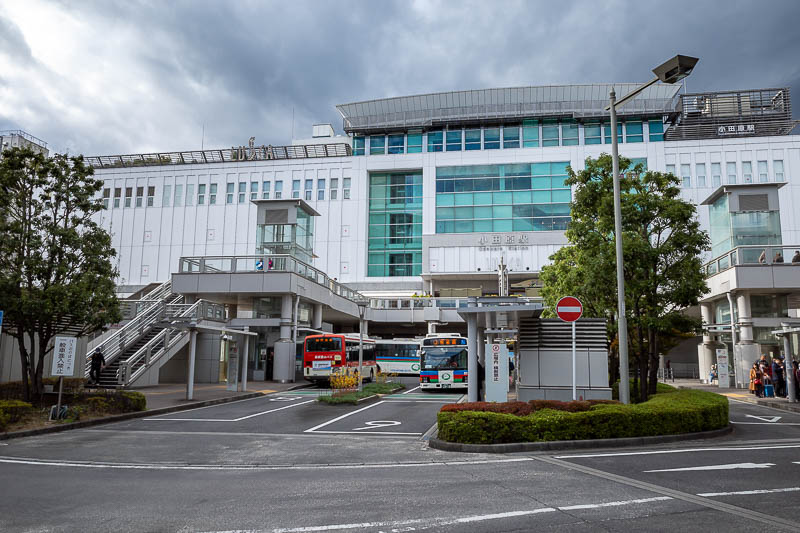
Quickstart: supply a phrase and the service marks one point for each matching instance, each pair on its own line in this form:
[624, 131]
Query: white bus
[397, 356]
[443, 362]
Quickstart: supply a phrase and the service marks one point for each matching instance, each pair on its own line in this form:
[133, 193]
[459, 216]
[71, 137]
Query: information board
[723, 371]
[496, 372]
[64, 356]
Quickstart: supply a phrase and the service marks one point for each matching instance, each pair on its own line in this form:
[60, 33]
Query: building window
[295, 188]
[320, 189]
[435, 139]
[128, 196]
[178, 195]
[656, 128]
[530, 133]
[377, 144]
[253, 190]
[395, 224]
[212, 194]
[592, 134]
[671, 169]
[151, 194]
[686, 176]
[242, 191]
[309, 189]
[607, 133]
[700, 170]
[201, 194]
[777, 167]
[414, 142]
[472, 140]
[106, 197]
[511, 137]
[731, 168]
[358, 145]
[550, 133]
[763, 175]
[229, 193]
[139, 196]
[278, 189]
[396, 144]
[716, 174]
[491, 139]
[569, 133]
[117, 195]
[633, 132]
[502, 198]
[334, 188]
[265, 190]
[346, 188]
[453, 140]
[190, 194]
[747, 171]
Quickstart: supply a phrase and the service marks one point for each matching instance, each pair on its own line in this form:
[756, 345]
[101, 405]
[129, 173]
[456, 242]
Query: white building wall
[151, 240]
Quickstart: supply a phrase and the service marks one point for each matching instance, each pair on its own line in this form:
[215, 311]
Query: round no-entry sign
[569, 309]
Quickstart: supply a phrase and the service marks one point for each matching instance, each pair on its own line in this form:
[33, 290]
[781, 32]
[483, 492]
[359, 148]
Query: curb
[517, 447]
[125, 416]
[790, 408]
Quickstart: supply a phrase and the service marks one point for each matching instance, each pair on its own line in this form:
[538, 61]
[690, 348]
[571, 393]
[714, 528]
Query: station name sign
[736, 129]
[496, 242]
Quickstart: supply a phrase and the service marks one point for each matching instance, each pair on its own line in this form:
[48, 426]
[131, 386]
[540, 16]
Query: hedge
[683, 411]
[12, 390]
[118, 401]
[11, 411]
[660, 388]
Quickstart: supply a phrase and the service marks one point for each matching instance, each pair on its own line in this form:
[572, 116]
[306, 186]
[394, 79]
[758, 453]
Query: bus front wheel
[372, 376]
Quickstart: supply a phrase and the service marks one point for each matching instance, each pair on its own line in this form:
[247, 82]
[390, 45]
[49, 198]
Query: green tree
[662, 242]
[56, 275]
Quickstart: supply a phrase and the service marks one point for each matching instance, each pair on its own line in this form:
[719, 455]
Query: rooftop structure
[21, 139]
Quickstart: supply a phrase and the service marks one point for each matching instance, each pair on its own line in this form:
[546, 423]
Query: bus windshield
[443, 357]
[324, 344]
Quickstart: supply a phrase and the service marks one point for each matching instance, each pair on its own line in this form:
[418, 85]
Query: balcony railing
[755, 255]
[265, 264]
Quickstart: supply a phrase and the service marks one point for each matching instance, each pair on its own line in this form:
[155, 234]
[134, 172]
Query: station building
[424, 196]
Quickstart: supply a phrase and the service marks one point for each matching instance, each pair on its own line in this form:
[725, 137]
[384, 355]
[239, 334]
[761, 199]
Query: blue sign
[1, 320]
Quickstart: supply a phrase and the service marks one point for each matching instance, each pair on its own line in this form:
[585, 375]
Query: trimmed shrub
[117, 401]
[660, 389]
[12, 411]
[671, 413]
[525, 408]
[14, 390]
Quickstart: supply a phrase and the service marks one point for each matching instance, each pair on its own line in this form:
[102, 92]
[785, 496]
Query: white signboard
[233, 366]
[722, 368]
[64, 356]
[496, 372]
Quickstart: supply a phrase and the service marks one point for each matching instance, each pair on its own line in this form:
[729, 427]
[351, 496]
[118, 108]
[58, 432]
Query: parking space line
[411, 390]
[315, 428]
[210, 406]
[370, 433]
[228, 419]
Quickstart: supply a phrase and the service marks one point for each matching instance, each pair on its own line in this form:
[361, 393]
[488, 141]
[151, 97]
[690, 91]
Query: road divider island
[669, 412]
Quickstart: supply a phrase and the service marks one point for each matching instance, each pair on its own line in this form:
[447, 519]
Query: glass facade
[296, 240]
[395, 224]
[732, 229]
[512, 197]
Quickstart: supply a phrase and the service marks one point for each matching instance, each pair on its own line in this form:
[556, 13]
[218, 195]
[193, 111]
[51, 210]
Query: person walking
[778, 378]
[755, 380]
[97, 364]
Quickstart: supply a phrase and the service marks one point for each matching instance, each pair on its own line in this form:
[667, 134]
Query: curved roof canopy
[513, 103]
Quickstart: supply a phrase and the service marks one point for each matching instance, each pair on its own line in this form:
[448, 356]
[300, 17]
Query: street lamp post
[670, 71]
[362, 306]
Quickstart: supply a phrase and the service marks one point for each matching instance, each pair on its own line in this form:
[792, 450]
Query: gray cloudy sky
[124, 77]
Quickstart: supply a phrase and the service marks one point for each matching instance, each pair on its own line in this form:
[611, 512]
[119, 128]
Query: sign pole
[60, 390]
[574, 378]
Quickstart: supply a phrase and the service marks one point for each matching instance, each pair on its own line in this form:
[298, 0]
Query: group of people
[764, 374]
[779, 258]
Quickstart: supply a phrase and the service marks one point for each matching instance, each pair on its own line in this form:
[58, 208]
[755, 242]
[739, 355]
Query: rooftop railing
[228, 155]
[754, 255]
[265, 264]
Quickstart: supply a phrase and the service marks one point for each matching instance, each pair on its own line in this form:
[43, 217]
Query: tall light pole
[670, 71]
[362, 306]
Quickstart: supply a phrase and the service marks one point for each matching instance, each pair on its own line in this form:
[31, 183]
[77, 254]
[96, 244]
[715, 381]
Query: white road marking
[315, 428]
[686, 450]
[748, 492]
[412, 390]
[372, 424]
[161, 466]
[227, 419]
[442, 522]
[734, 466]
[345, 432]
[765, 418]
[212, 406]
[767, 423]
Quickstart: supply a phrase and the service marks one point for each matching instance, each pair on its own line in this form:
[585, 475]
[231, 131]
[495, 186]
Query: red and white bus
[328, 354]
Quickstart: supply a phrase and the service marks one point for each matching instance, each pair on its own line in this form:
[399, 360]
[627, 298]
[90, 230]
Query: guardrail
[264, 264]
[754, 255]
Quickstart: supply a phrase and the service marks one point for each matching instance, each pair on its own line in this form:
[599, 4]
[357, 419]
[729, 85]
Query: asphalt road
[281, 464]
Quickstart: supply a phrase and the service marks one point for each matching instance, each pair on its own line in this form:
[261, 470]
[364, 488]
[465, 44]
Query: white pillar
[472, 352]
[788, 365]
[284, 354]
[745, 320]
[316, 319]
[245, 361]
[431, 327]
[705, 352]
[190, 370]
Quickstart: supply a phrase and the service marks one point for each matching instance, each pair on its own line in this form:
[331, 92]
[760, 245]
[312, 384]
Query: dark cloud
[167, 70]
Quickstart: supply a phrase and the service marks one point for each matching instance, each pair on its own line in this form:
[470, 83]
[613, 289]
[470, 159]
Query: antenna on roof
[203, 137]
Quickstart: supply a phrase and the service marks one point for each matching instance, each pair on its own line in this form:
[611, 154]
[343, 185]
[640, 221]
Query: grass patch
[668, 413]
[352, 397]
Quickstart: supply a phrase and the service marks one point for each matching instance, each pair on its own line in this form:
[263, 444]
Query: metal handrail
[752, 255]
[266, 263]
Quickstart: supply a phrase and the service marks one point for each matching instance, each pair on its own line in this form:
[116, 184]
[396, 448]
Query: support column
[472, 352]
[788, 362]
[245, 361]
[316, 318]
[283, 362]
[705, 351]
[190, 369]
[431, 327]
[746, 348]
